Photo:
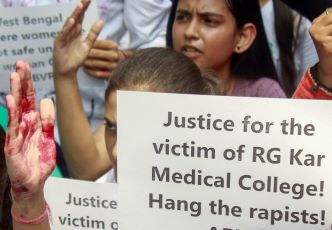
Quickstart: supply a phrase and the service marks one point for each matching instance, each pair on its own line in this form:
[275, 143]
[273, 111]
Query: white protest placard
[27, 33]
[77, 205]
[223, 163]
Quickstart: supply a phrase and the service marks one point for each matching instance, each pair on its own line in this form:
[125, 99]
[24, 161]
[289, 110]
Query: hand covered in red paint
[321, 33]
[30, 148]
[70, 47]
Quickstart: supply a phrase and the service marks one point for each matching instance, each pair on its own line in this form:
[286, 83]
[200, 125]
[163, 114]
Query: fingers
[325, 18]
[73, 25]
[48, 156]
[79, 11]
[65, 32]
[33, 123]
[105, 45]
[13, 120]
[23, 128]
[80, 16]
[98, 73]
[103, 58]
[93, 33]
[20, 101]
[100, 64]
[320, 32]
[110, 55]
[16, 90]
[74, 33]
[28, 98]
[47, 115]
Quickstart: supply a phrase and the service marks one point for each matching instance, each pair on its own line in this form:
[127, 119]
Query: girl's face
[206, 32]
[110, 129]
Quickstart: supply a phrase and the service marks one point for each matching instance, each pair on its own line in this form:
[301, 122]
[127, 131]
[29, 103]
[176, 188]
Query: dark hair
[162, 70]
[256, 61]
[5, 201]
[287, 42]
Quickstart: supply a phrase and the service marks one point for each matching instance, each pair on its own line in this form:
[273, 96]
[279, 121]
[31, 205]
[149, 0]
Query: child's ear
[245, 37]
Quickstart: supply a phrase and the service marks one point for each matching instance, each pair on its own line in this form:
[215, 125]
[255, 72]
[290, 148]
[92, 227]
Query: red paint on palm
[48, 152]
[33, 154]
[47, 146]
[27, 104]
[48, 130]
[30, 147]
[28, 100]
[23, 129]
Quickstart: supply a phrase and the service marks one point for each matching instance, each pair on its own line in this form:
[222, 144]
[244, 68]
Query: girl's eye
[181, 17]
[211, 22]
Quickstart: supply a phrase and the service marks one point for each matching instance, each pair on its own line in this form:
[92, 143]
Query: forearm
[30, 208]
[70, 49]
[77, 140]
[99, 137]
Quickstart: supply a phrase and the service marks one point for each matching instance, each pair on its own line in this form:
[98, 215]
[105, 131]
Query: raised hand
[70, 47]
[30, 148]
[321, 33]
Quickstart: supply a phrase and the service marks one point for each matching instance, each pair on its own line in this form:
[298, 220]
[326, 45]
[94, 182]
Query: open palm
[30, 148]
[70, 47]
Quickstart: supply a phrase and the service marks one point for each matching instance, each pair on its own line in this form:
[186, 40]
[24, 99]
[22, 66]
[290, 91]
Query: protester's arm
[30, 209]
[317, 81]
[77, 141]
[321, 33]
[99, 136]
[29, 151]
